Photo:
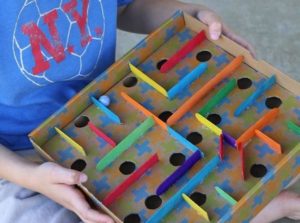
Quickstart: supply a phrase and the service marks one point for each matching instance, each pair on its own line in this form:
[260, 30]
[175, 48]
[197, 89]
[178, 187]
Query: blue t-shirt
[49, 50]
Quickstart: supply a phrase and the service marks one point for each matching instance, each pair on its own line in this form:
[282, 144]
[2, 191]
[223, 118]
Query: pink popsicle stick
[180, 54]
[101, 134]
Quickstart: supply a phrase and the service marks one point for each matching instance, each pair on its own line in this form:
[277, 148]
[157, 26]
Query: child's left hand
[58, 183]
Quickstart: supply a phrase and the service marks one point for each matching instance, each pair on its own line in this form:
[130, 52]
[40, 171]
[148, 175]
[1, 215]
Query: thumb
[59, 174]
[213, 21]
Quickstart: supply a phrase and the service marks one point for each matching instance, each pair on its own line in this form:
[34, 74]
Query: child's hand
[144, 16]
[57, 183]
[217, 27]
[286, 204]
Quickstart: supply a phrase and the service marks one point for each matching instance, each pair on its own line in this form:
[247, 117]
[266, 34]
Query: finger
[59, 174]
[213, 21]
[84, 210]
[231, 35]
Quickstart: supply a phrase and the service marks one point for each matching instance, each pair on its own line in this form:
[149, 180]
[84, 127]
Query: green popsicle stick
[128, 141]
[293, 127]
[217, 98]
[226, 196]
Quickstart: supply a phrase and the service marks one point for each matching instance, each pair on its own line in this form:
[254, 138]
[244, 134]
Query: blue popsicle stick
[186, 189]
[184, 141]
[106, 110]
[267, 84]
[187, 80]
[178, 173]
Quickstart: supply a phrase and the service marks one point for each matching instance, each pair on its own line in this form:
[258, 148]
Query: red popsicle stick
[221, 147]
[119, 190]
[180, 54]
[101, 134]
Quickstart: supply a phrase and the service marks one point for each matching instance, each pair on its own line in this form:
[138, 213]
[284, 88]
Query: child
[51, 50]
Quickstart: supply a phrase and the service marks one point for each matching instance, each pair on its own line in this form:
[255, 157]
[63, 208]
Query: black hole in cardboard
[153, 202]
[198, 198]
[177, 159]
[244, 83]
[214, 118]
[194, 137]
[78, 165]
[165, 115]
[160, 63]
[204, 56]
[130, 81]
[82, 121]
[132, 218]
[273, 102]
[127, 168]
[258, 170]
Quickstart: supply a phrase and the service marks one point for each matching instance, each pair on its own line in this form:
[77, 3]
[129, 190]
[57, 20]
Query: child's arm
[143, 16]
[52, 180]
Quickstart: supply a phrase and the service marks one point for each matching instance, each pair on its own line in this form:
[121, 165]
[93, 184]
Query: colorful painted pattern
[251, 194]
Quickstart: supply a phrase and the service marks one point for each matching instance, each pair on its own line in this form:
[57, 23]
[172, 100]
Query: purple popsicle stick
[229, 139]
[178, 173]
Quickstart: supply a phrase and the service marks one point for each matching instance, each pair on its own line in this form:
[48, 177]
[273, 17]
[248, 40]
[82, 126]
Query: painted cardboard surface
[251, 195]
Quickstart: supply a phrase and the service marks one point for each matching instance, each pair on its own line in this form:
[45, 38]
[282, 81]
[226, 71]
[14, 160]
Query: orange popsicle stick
[143, 109]
[261, 123]
[272, 143]
[202, 92]
[242, 157]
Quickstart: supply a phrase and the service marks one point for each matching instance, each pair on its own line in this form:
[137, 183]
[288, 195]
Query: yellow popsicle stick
[196, 207]
[74, 144]
[148, 80]
[209, 124]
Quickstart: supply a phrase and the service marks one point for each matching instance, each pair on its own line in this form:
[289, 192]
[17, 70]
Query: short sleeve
[124, 2]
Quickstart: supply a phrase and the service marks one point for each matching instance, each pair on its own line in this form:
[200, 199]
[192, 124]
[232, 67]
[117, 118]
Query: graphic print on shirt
[58, 40]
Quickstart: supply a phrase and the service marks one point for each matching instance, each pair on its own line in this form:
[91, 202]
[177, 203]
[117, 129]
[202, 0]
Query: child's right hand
[57, 183]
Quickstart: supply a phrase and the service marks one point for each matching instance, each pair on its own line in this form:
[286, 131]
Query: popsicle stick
[221, 146]
[126, 184]
[256, 94]
[260, 124]
[293, 127]
[69, 140]
[139, 74]
[127, 142]
[226, 196]
[229, 139]
[186, 189]
[218, 97]
[209, 124]
[184, 141]
[196, 207]
[144, 110]
[180, 54]
[101, 134]
[106, 110]
[178, 173]
[208, 87]
[271, 143]
[187, 80]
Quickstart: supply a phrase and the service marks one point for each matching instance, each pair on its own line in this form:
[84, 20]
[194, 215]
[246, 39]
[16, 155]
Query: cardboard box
[266, 171]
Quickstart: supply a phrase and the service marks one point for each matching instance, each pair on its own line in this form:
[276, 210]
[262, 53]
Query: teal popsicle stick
[106, 110]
